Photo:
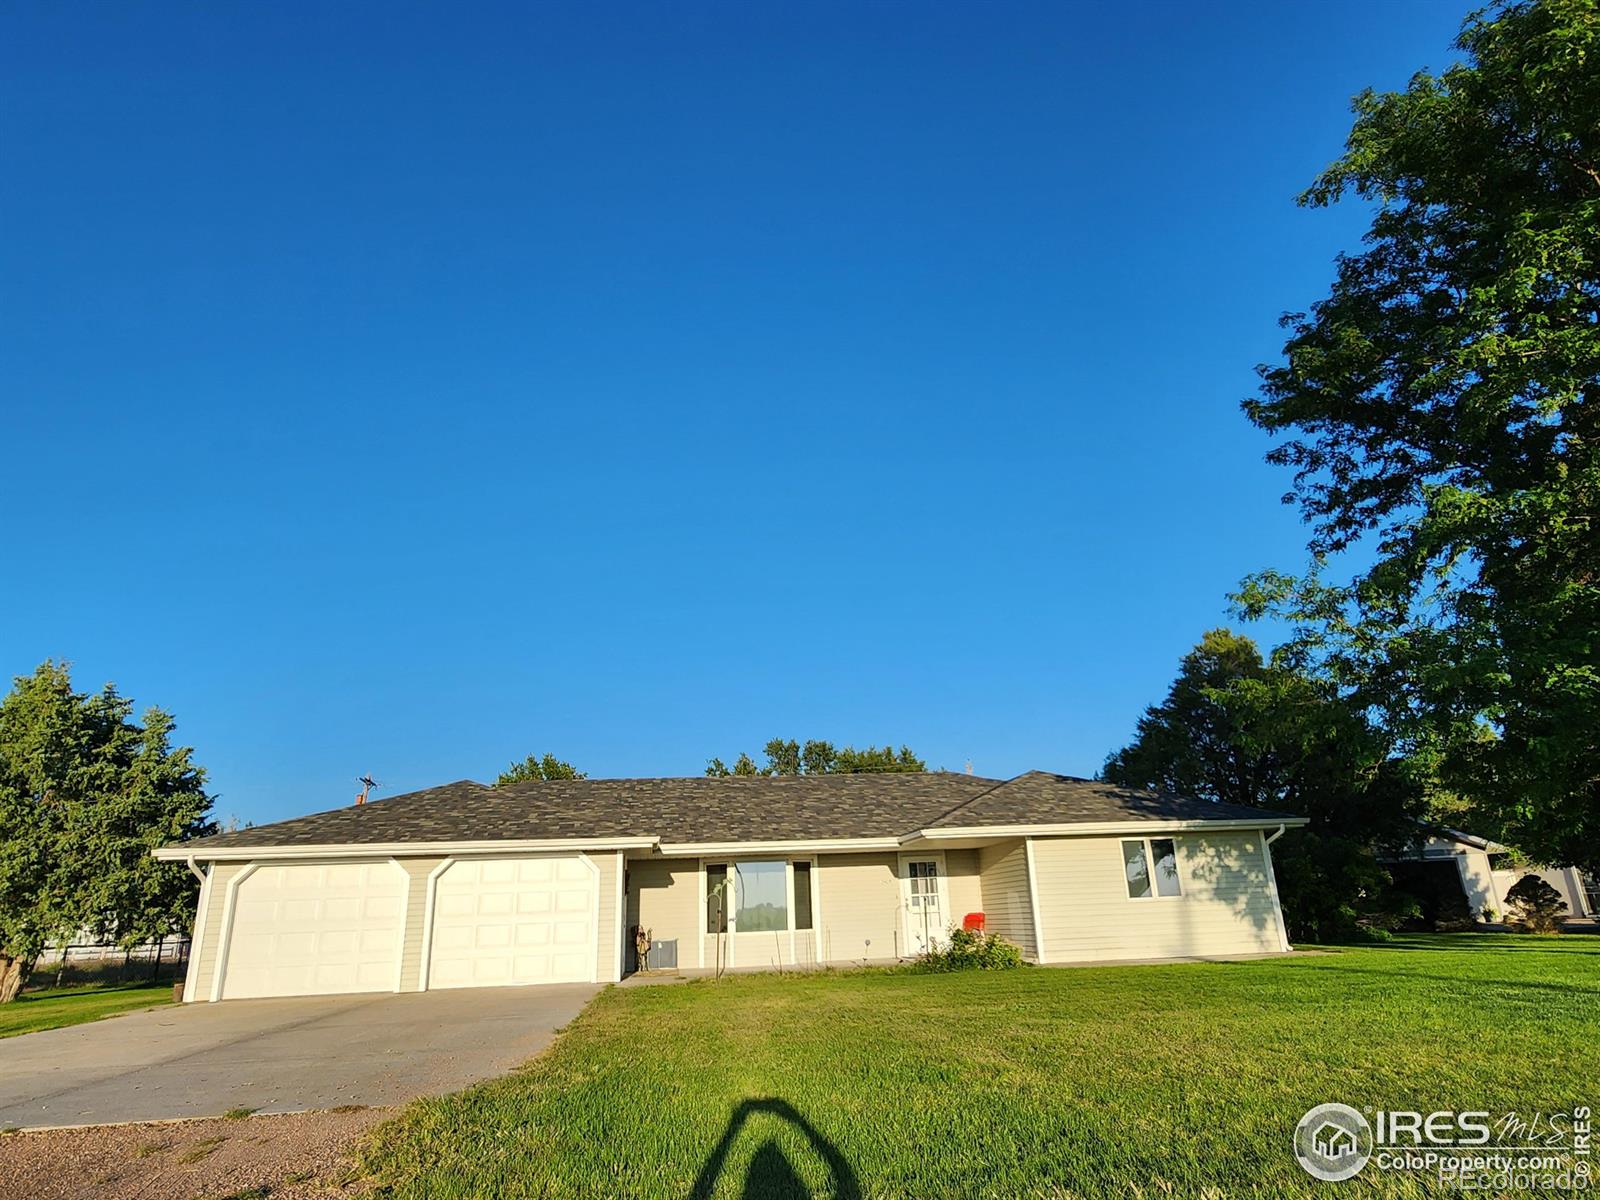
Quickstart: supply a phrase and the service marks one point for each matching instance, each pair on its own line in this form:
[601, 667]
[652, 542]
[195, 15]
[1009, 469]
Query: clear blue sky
[405, 389]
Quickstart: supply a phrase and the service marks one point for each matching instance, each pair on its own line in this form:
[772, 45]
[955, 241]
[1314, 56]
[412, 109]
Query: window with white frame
[758, 896]
[761, 890]
[1151, 868]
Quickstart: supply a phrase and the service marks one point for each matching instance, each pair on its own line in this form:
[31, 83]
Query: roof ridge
[979, 796]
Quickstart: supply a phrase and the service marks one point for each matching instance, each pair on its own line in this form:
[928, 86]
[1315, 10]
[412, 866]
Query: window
[762, 891]
[717, 899]
[1145, 881]
[802, 895]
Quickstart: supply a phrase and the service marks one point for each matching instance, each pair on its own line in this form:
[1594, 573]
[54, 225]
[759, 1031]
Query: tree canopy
[535, 766]
[787, 757]
[1238, 729]
[86, 792]
[1441, 407]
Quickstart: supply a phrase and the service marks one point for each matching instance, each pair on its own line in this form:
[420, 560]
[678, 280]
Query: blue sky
[404, 389]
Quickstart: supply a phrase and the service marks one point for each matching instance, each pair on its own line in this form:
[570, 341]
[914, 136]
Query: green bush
[1536, 907]
[973, 950]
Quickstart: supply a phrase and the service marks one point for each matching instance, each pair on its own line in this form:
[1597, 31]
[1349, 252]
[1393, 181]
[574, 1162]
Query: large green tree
[788, 757]
[538, 766]
[1441, 409]
[1237, 729]
[86, 792]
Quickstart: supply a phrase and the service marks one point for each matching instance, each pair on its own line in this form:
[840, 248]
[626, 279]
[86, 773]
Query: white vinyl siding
[608, 916]
[1226, 906]
[1007, 903]
[964, 885]
[860, 904]
[208, 923]
[664, 897]
[416, 909]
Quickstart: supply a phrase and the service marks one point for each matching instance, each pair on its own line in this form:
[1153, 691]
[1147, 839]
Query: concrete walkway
[199, 1060]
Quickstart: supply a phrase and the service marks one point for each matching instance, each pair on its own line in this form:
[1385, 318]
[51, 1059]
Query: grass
[52, 1009]
[204, 1148]
[1181, 1080]
[237, 1114]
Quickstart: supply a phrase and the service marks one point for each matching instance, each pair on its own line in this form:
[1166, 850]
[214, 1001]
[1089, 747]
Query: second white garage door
[502, 921]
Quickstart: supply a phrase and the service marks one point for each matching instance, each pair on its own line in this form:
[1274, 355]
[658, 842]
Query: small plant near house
[973, 950]
[1536, 907]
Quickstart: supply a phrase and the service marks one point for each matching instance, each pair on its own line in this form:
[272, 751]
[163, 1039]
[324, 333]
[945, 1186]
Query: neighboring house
[543, 882]
[1485, 879]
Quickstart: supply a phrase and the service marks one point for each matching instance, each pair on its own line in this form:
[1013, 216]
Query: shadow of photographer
[771, 1176]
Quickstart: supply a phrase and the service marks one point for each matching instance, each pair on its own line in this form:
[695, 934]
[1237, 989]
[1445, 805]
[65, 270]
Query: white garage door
[499, 921]
[313, 929]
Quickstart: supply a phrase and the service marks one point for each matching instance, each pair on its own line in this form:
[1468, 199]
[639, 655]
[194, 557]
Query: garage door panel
[507, 921]
[315, 929]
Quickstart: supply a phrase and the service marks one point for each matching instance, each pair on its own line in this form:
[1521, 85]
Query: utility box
[664, 955]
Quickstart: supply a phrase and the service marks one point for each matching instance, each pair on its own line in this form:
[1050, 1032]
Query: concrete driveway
[198, 1060]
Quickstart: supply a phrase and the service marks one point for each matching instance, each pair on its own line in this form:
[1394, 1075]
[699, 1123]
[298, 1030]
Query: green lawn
[33, 1011]
[1108, 1081]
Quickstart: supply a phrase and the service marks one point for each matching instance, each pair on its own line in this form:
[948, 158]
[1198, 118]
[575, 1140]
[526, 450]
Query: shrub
[1536, 907]
[1453, 915]
[973, 950]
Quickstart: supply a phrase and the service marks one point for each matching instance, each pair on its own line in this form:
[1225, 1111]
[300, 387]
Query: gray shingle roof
[735, 809]
[1040, 798]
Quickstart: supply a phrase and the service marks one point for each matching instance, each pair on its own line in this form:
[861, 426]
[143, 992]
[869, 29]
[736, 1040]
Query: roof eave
[184, 851]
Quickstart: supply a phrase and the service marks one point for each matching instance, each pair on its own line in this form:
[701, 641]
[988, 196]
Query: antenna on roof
[367, 783]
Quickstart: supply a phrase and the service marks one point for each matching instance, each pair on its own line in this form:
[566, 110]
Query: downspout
[1272, 886]
[198, 873]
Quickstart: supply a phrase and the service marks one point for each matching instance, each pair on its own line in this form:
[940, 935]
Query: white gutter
[1095, 828]
[1278, 833]
[189, 852]
[713, 849]
[193, 870]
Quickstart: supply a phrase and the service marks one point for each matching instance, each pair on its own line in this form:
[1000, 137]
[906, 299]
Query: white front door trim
[908, 934]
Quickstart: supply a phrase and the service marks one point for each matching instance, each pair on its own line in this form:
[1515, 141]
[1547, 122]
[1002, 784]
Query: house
[544, 882]
[1483, 870]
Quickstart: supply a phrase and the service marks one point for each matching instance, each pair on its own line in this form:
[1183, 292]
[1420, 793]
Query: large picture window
[762, 896]
[1151, 868]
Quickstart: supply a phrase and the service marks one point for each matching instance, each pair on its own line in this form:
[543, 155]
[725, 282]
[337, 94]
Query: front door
[925, 920]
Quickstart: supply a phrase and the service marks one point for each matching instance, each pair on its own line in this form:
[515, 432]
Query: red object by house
[973, 922]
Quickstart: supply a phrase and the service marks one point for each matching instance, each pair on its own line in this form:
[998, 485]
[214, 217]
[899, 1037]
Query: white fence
[93, 962]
